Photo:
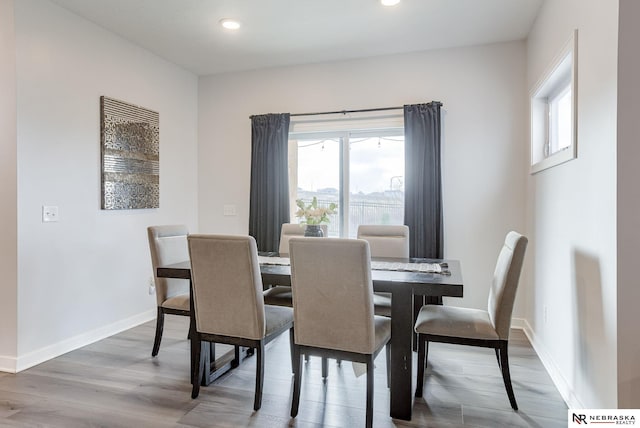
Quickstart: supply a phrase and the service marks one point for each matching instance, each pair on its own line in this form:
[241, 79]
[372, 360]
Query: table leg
[401, 354]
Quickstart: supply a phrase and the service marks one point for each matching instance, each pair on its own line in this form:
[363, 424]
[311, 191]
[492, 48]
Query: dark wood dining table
[402, 285]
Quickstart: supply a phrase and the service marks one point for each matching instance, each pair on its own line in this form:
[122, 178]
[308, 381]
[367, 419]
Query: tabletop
[433, 284]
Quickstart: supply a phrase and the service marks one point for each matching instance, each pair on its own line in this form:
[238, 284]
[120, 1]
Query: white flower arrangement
[312, 213]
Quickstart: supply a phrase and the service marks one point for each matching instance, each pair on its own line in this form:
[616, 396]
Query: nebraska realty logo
[603, 416]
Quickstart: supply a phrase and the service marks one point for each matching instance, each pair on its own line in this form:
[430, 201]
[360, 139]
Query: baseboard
[565, 389]
[41, 355]
[7, 364]
[518, 323]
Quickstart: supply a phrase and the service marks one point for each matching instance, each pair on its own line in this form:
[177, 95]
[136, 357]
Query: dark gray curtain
[423, 186]
[423, 181]
[269, 197]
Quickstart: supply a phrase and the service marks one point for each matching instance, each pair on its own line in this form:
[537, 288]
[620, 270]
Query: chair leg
[498, 356]
[422, 344]
[159, 328]
[325, 368]
[291, 350]
[257, 401]
[369, 420]
[198, 369]
[418, 302]
[205, 359]
[387, 349]
[236, 357]
[504, 360]
[212, 351]
[297, 379]
[426, 354]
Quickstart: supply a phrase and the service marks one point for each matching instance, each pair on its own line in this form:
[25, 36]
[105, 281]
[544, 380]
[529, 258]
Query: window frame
[562, 75]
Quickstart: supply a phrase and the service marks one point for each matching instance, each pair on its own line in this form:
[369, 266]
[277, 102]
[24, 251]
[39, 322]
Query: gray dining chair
[333, 308]
[228, 303]
[280, 295]
[290, 230]
[474, 327]
[168, 244]
[385, 241]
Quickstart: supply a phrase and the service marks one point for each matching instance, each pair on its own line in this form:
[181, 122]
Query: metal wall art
[130, 139]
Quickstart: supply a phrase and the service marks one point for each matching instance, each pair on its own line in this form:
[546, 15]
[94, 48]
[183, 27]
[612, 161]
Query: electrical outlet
[152, 286]
[49, 214]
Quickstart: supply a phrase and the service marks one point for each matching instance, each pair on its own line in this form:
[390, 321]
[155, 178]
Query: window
[361, 170]
[553, 112]
[559, 121]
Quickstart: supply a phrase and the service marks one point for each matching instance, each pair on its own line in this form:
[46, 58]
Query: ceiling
[290, 32]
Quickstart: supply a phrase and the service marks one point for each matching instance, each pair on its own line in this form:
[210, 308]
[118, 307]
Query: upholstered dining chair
[333, 307]
[228, 303]
[474, 327]
[168, 244]
[389, 241]
[289, 230]
[277, 294]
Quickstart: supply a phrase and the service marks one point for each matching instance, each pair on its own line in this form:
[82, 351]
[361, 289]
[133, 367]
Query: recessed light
[230, 24]
[389, 2]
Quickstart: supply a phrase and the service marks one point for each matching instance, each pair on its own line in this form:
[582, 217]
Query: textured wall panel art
[130, 138]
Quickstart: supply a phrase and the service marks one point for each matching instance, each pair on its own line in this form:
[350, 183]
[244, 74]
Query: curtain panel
[423, 186]
[423, 180]
[269, 194]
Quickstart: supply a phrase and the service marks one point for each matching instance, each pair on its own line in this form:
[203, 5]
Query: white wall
[86, 277]
[484, 153]
[8, 190]
[628, 206]
[572, 212]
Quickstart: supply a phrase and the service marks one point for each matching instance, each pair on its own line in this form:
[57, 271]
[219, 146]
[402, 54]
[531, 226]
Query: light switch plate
[229, 210]
[49, 214]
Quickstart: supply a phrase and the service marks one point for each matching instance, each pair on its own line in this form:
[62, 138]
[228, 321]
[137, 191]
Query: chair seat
[276, 317]
[180, 302]
[382, 304]
[280, 295]
[455, 322]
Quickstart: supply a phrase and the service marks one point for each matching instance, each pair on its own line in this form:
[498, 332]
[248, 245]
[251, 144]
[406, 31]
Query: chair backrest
[290, 230]
[227, 286]
[168, 245]
[332, 294]
[505, 282]
[386, 240]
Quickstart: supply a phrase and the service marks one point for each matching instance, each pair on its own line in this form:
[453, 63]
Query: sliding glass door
[361, 171]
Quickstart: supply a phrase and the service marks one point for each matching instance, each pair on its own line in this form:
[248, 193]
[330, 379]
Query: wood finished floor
[116, 383]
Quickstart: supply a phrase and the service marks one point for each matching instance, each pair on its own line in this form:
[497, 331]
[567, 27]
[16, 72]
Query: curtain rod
[348, 111]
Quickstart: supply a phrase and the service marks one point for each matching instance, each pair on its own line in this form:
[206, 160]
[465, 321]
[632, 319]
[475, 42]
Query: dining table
[403, 278]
